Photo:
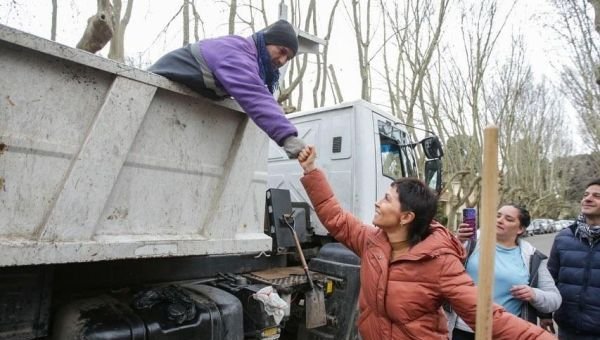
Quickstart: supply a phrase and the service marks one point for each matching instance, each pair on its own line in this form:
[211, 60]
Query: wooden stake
[487, 238]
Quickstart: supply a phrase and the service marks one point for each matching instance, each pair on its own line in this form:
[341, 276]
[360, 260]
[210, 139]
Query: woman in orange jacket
[409, 265]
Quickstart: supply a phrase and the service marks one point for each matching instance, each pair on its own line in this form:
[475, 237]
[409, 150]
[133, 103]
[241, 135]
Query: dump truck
[133, 208]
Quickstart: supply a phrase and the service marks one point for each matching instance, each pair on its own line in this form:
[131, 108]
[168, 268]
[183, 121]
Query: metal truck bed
[103, 161]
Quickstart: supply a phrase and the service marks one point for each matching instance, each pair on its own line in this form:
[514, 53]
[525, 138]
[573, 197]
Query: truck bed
[102, 161]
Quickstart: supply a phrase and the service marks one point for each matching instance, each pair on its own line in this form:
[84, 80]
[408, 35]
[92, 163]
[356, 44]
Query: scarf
[586, 231]
[268, 73]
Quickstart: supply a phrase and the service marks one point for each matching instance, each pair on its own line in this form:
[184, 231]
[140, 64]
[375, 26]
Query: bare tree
[579, 82]
[361, 22]
[54, 19]
[335, 84]
[456, 94]
[416, 29]
[530, 117]
[100, 28]
[117, 43]
[322, 77]
[197, 22]
[186, 22]
[300, 66]
[232, 15]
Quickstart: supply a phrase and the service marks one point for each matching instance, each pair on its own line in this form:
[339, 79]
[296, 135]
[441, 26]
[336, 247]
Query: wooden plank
[489, 203]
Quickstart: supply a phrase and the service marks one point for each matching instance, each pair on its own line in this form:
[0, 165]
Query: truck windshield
[397, 161]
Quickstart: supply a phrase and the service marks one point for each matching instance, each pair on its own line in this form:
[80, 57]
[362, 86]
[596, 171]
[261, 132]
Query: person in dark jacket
[575, 266]
[244, 68]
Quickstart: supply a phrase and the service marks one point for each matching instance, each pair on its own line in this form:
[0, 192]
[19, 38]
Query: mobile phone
[470, 218]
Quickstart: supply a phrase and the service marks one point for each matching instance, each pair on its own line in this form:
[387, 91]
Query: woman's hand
[523, 292]
[464, 232]
[548, 325]
[307, 157]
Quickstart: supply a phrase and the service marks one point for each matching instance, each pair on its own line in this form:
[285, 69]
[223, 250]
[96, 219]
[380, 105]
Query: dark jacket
[575, 266]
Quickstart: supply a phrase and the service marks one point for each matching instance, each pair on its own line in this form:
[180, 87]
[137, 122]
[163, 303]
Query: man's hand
[307, 157]
[292, 146]
[523, 292]
[548, 325]
[464, 232]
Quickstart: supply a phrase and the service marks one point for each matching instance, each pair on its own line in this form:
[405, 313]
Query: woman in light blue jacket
[523, 285]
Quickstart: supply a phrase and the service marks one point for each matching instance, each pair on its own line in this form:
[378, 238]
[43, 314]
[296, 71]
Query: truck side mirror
[432, 147]
[433, 174]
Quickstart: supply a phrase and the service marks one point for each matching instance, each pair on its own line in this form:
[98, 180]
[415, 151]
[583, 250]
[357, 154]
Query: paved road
[542, 242]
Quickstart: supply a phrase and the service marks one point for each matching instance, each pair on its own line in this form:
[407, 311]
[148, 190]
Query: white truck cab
[361, 148]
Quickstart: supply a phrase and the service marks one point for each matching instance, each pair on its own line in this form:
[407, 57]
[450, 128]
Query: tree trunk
[325, 52]
[232, 13]
[285, 93]
[100, 28]
[197, 22]
[362, 44]
[336, 86]
[186, 22]
[54, 18]
[117, 44]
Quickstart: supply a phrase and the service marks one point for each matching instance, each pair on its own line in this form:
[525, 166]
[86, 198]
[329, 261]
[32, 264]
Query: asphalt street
[542, 242]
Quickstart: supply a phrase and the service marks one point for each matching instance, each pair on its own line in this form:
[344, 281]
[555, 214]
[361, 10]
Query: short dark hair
[524, 216]
[594, 182]
[416, 196]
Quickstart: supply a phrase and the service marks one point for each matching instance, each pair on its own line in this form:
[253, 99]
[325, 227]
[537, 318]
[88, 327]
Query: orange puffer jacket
[402, 299]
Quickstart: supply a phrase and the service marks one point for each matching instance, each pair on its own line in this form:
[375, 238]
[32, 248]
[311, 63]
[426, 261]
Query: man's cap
[282, 33]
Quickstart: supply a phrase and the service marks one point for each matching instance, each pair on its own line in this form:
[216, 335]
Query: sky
[144, 40]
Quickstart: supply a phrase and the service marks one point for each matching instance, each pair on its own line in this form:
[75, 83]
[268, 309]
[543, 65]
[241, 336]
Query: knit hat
[282, 33]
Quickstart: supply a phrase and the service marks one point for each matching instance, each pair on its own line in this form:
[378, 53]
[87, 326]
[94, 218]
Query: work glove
[292, 146]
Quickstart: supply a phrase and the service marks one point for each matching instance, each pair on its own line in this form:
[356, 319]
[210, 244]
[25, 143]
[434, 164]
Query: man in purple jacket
[244, 68]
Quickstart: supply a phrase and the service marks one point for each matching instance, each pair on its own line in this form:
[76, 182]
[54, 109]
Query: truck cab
[362, 149]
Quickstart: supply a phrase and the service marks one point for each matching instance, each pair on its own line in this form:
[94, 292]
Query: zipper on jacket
[586, 273]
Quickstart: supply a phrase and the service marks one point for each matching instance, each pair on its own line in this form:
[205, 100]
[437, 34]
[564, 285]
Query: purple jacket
[233, 61]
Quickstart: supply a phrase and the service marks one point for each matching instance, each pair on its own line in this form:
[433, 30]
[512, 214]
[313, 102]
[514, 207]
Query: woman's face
[387, 210]
[508, 225]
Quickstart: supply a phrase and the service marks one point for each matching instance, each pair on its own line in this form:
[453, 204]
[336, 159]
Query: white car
[561, 224]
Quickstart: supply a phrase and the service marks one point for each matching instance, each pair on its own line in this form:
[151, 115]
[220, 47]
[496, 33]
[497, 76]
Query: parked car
[561, 224]
[549, 226]
[529, 231]
[536, 227]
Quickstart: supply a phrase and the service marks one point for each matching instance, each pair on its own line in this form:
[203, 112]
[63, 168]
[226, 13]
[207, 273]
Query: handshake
[306, 154]
[292, 146]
